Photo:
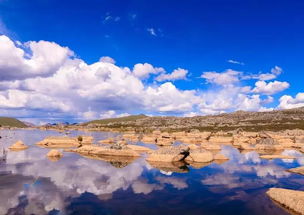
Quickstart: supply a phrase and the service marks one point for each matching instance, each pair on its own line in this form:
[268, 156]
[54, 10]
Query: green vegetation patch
[11, 122]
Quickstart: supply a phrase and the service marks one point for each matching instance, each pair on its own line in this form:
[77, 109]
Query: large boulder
[107, 141]
[19, 145]
[169, 154]
[200, 156]
[59, 142]
[291, 199]
[87, 140]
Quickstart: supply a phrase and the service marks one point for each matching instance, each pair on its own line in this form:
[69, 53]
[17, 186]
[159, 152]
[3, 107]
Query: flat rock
[54, 153]
[290, 199]
[59, 142]
[106, 151]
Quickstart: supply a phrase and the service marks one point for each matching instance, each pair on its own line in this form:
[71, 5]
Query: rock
[164, 141]
[298, 170]
[211, 146]
[59, 142]
[87, 140]
[19, 145]
[193, 146]
[220, 156]
[200, 156]
[226, 140]
[149, 139]
[139, 148]
[276, 157]
[54, 153]
[107, 141]
[106, 151]
[168, 154]
[291, 199]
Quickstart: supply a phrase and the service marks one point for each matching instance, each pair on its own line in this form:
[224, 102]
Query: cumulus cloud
[270, 88]
[287, 102]
[225, 78]
[143, 71]
[107, 59]
[43, 59]
[274, 73]
[45, 80]
[177, 74]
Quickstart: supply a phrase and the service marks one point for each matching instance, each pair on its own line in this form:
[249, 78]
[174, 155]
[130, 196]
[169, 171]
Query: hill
[11, 122]
[117, 120]
[250, 121]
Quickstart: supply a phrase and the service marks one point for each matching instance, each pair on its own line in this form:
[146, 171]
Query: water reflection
[32, 184]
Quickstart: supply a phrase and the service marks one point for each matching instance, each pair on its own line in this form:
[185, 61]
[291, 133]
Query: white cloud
[287, 102]
[225, 78]
[51, 84]
[177, 74]
[270, 88]
[274, 73]
[143, 71]
[45, 59]
[235, 62]
[107, 59]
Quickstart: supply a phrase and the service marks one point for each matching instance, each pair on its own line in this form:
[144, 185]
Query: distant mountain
[250, 121]
[11, 122]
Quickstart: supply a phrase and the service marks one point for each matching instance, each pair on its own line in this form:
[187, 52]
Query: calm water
[32, 184]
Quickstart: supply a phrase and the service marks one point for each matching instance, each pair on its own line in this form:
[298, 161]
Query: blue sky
[250, 37]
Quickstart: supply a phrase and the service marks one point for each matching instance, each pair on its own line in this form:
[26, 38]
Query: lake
[30, 183]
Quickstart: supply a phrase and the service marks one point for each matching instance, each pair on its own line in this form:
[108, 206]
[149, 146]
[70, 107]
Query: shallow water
[32, 184]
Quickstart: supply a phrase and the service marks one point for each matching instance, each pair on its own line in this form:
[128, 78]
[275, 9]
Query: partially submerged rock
[19, 145]
[276, 157]
[291, 199]
[59, 142]
[298, 170]
[106, 151]
[200, 156]
[54, 153]
[169, 154]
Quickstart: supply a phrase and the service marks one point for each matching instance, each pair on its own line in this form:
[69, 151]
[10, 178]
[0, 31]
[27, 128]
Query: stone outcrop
[59, 142]
[19, 145]
[87, 140]
[168, 154]
[116, 161]
[298, 170]
[290, 199]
